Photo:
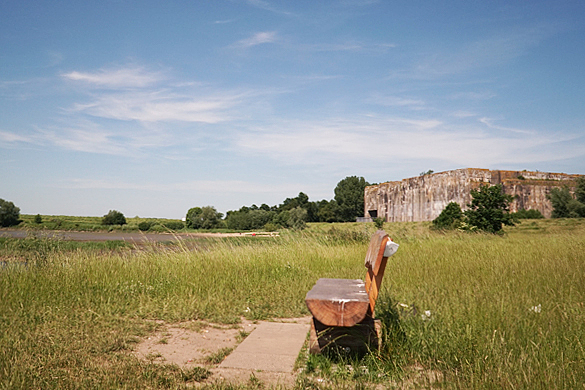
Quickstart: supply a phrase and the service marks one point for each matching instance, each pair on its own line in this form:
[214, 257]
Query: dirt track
[134, 237]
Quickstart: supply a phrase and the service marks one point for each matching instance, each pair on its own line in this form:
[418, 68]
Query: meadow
[476, 310]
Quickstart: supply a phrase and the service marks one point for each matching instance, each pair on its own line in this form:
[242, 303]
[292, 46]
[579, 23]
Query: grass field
[480, 311]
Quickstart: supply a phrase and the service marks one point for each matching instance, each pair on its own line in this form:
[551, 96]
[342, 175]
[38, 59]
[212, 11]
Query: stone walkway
[272, 346]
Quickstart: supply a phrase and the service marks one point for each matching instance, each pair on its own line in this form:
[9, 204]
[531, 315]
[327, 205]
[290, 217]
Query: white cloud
[389, 141]
[397, 101]
[257, 39]
[161, 106]
[117, 78]
[489, 123]
[8, 137]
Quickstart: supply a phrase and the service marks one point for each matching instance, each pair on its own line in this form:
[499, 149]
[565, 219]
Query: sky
[154, 107]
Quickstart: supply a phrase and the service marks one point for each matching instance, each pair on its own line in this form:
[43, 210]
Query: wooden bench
[343, 309]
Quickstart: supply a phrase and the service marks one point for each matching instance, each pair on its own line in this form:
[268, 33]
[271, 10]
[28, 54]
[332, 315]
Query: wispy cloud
[489, 122]
[390, 141]
[7, 137]
[349, 46]
[257, 39]
[161, 106]
[117, 77]
[268, 6]
[397, 101]
[495, 50]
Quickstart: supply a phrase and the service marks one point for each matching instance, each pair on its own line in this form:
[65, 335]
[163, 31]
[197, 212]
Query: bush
[527, 214]
[489, 209]
[144, 226]
[174, 225]
[450, 218]
[114, 217]
[203, 218]
[379, 223]
[38, 219]
[9, 214]
[297, 218]
[565, 205]
[250, 220]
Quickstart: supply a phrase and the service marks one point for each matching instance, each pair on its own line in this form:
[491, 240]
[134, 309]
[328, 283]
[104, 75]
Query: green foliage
[379, 223]
[144, 226]
[565, 205]
[349, 195]
[114, 217]
[429, 172]
[246, 219]
[173, 225]
[38, 219]
[489, 209]
[297, 218]
[328, 211]
[580, 189]
[204, 218]
[9, 214]
[527, 214]
[450, 218]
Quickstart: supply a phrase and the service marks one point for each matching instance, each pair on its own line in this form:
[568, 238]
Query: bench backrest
[376, 264]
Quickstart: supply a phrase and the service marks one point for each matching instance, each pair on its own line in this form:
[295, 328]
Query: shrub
[379, 223]
[251, 219]
[203, 218]
[9, 214]
[38, 219]
[144, 226]
[270, 227]
[565, 205]
[114, 217]
[297, 218]
[489, 209]
[528, 214]
[450, 218]
[174, 225]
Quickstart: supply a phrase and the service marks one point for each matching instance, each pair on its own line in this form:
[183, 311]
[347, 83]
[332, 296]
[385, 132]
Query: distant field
[482, 311]
[94, 224]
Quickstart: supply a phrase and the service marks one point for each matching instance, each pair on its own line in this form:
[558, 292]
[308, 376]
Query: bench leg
[359, 338]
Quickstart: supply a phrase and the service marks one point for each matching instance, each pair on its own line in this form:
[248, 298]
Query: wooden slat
[376, 251]
[338, 302]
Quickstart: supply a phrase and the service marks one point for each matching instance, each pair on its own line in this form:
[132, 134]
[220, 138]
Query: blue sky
[151, 108]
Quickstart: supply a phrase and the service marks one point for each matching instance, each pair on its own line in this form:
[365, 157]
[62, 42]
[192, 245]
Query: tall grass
[505, 312]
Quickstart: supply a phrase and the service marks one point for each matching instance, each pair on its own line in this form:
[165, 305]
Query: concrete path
[272, 346]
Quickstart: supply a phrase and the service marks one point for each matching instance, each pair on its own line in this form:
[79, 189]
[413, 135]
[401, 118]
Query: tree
[565, 205]
[203, 218]
[297, 218]
[349, 195]
[450, 218]
[9, 214]
[114, 217]
[580, 189]
[489, 209]
[328, 211]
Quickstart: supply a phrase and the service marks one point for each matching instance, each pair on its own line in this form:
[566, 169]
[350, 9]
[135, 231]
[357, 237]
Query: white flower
[426, 315]
[536, 309]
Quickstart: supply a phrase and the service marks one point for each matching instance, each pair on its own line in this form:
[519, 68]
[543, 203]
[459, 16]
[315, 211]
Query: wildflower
[426, 315]
[536, 309]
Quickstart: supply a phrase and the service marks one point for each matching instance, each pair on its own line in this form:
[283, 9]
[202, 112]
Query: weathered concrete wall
[423, 198]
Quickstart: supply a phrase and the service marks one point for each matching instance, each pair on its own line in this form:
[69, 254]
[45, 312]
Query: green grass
[70, 320]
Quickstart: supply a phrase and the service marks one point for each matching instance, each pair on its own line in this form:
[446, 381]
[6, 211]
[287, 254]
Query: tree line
[488, 211]
[292, 213]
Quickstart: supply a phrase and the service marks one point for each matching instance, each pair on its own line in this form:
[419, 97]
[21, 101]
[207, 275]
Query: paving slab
[272, 346]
